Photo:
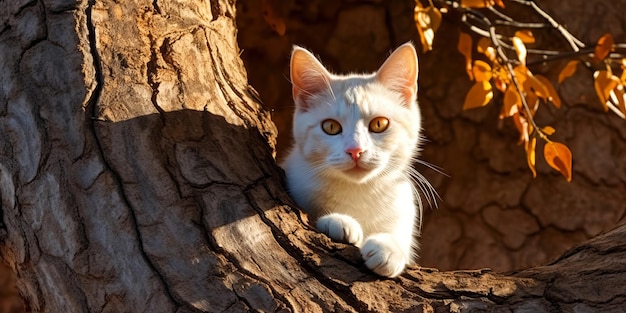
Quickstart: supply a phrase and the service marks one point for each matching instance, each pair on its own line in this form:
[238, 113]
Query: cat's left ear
[399, 73]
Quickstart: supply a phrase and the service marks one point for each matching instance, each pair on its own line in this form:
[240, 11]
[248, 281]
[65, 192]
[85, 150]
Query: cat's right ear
[308, 77]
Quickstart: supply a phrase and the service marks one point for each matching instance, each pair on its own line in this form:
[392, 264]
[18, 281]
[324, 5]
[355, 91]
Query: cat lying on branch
[355, 140]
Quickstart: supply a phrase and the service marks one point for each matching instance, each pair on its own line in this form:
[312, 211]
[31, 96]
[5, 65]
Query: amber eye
[331, 127]
[379, 124]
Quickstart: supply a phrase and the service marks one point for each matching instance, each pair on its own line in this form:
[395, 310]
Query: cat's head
[356, 127]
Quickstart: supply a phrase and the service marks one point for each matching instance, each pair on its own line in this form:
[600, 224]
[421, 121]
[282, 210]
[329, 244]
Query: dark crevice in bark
[92, 108]
[151, 73]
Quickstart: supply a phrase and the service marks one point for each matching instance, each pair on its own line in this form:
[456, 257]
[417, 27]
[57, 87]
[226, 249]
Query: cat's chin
[358, 174]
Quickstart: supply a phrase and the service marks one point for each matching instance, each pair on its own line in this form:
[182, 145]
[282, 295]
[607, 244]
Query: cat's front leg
[341, 227]
[384, 255]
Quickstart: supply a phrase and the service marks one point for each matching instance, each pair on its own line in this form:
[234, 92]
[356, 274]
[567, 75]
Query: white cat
[355, 138]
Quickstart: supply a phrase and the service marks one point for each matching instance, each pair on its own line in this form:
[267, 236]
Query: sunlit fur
[380, 195]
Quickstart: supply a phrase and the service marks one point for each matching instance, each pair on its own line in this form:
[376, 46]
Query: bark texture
[137, 175]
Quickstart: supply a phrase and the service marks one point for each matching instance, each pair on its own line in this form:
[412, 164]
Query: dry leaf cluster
[502, 66]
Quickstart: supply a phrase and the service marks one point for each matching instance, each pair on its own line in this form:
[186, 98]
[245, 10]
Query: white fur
[374, 209]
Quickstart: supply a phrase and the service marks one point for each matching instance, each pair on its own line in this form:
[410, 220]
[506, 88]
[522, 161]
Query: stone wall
[492, 213]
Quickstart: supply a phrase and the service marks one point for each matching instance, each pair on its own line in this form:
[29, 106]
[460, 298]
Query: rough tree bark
[136, 175]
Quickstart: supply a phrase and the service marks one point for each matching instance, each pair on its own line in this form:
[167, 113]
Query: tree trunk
[137, 175]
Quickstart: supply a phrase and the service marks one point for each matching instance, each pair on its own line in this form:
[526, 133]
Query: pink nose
[355, 153]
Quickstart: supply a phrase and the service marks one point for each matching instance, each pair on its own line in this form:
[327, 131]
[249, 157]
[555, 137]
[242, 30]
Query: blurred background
[492, 212]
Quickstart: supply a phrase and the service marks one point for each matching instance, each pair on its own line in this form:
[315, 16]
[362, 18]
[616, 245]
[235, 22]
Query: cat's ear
[308, 77]
[399, 73]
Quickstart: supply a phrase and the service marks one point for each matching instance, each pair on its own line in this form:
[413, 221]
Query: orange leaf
[520, 49]
[479, 95]
[512, 102]
[274, 20]
[533, 84]
[568, 70]
[619, 97]
[465, 47]
[484, 46]
[530, 154]
[522, 126]
[559, 157]
[548, 130]
[603, 47]
[477, 3]
[427, 21]
[521, 72]
[481, 71]
[604, 83]
[553, 95]
[526, 36]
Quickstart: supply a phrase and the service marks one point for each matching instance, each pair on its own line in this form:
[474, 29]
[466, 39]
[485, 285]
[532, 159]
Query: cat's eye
[379, 124]
[331, 127]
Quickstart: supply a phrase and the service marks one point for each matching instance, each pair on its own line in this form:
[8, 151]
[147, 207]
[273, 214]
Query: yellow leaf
[477, 3]
[533, 84]
[533, 102]
[526, 36]
[548, 130]
[521, 72]
[520, 49]
[465, 47]
[479, 95]
[623, 77]
[481, 71]
[484, 46]
[522, 126]
[559, 157]
[604, 83]
[568, 70]
[500, 84]
[530, 154]
[512, 102]
[427, 21]
[603, 47]
[553, 95]
[272, 18]
[619, 97]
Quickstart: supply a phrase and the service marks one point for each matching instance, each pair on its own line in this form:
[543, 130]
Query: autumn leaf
[603, 47]
[272, 18]
[465, 47]
[427, 21]
[559, 157]
[604, 83]
[568, 70]
[526, 36]
[481, 71]
[553, 96]
[520, 49]
[479, 95]
[484, 46]
[477, 3]
[618, 96]
[530, 154]
[548, 130]
[522, 126]
[521, 72]
[511, 103]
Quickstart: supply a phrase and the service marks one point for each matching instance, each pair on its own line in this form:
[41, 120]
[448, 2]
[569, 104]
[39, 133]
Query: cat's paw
[383, 255]
[341, 227]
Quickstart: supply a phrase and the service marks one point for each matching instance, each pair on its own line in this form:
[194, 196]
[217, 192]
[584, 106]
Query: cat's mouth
[358, 170]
